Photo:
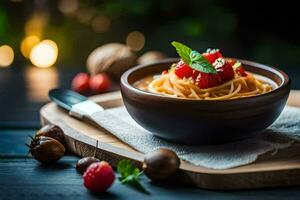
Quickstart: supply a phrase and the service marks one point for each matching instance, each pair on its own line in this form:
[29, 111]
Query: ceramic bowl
[203, 122]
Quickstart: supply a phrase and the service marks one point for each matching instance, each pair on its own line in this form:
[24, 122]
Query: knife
[82, 108]
[78, 106]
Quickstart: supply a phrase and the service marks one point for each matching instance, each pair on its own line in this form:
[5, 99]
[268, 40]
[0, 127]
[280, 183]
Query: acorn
[52, 131]
[46, 149]
[161, 164]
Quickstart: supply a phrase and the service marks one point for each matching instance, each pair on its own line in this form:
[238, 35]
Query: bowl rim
[124, 81]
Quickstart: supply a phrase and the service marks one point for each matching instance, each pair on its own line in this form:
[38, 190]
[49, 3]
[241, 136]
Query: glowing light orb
[136, 40]
[68, 6]
[27, 44]
[101, 24]
[36, 24]
[44, 54]
[6, 56]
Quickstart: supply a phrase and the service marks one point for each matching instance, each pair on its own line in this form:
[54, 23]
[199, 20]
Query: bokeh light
[36, 24]
[100, 24]
[27, 44]
[6, 56]
[39, 81]
[44, 54]
[68, 6]
[85, 15]
[136, 40]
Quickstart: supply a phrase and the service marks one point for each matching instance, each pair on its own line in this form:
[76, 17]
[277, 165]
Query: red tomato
[80, 83]
[224, 69]
[183, 70]
[205, 80]
[100, 83]
[212, 55]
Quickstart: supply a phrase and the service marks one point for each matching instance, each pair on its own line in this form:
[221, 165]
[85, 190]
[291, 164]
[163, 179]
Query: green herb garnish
[193, 58]
[130, 175]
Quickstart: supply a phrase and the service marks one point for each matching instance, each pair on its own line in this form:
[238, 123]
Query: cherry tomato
[183, 70]
[212, 55]
[100, 83]
[80, 83]
[205, 80]
[224, 69]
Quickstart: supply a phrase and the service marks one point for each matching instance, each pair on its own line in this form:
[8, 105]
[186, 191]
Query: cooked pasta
[206, 76]
[171, 85]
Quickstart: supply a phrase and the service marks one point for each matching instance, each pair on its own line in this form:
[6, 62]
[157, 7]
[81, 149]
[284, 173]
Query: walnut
[113, 58]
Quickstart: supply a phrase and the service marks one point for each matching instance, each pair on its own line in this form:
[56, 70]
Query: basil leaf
[130, 175]
[128, 179]
[198, 62]
[135, 183]
[125, 168]
[183, 51]
[205, 67]
[195, 56]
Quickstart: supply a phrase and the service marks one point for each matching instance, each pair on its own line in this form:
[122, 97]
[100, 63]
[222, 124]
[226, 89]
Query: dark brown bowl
[203, 121]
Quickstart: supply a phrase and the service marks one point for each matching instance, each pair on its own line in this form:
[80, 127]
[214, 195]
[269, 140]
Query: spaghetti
[206, 76]
[171, 85]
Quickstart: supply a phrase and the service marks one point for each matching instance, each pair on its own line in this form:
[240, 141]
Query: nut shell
[161, 164]
[46, 150]
[52, 131]
[113, 58]
[84, 163]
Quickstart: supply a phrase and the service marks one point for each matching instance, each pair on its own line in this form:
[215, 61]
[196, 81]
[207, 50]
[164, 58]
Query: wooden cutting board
[281, 169]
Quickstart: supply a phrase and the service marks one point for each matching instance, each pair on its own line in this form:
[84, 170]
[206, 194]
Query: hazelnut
[161, 164]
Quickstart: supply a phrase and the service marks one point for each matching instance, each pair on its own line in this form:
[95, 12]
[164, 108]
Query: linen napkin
[280, 135]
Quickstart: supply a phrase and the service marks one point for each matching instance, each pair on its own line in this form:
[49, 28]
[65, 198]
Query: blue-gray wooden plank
[22, 178]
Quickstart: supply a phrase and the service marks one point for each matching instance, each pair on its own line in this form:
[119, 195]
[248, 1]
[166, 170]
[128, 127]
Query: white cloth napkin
[278, 136]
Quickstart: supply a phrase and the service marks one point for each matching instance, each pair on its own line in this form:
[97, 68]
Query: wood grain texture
[281, 169]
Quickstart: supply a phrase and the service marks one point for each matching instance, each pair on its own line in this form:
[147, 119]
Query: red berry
[241, 71]
[212, 55]
[183, 70]
[98, 177]
[224, 69]
[100, 83]
[205, 80]
[80, 83]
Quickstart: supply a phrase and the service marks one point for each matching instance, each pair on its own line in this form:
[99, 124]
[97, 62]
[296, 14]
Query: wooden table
[24, 178]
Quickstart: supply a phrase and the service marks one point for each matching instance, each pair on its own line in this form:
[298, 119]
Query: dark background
[262, 31]
[265, 31]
